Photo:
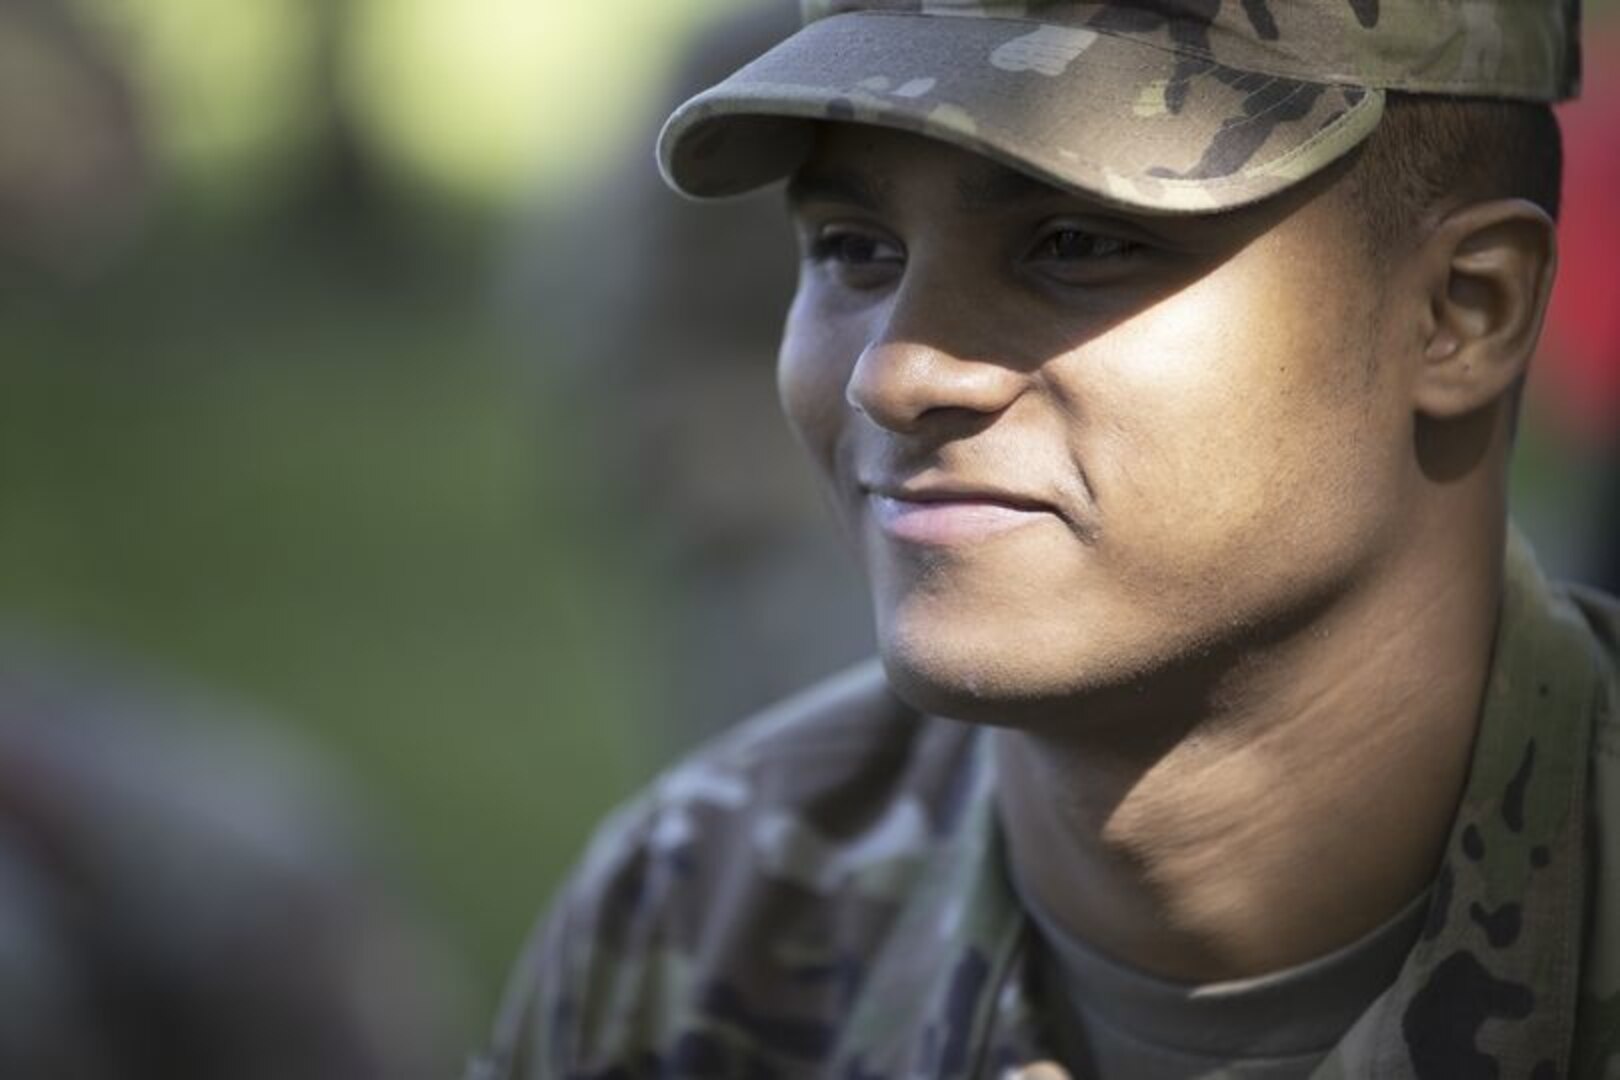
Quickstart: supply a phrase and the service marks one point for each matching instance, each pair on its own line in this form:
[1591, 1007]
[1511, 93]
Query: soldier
[1161, 359]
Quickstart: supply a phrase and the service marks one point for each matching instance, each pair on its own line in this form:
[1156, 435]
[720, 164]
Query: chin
[1028, 667]
[986, 675]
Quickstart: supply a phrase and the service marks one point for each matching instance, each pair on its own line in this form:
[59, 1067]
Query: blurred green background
[265, 426]
[262, 426]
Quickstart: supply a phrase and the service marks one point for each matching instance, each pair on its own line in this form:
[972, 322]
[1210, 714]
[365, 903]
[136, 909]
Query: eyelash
[830, 247]
[1113, 247]
[827, 246]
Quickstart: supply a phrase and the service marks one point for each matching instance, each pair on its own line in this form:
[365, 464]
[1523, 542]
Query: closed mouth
[955, 518]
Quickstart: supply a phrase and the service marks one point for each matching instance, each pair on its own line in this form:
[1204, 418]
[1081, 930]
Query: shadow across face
[1077, 446]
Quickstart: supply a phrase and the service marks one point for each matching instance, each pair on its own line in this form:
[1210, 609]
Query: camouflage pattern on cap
[1163, 106]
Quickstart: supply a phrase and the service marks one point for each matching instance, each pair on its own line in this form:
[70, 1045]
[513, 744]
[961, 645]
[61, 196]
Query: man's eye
[1069, 245]
[853, 249]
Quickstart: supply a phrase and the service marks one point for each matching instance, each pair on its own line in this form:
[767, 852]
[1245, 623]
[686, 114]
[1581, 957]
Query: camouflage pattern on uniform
[822, 893]
[1156, 105]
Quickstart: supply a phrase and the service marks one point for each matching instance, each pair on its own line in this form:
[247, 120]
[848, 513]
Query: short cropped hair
[1428, 150]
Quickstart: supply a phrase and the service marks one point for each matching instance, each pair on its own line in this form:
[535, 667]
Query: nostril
[897, 383]
[893, 383]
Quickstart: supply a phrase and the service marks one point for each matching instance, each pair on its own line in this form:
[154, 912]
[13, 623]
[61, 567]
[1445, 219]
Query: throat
[1231, 846]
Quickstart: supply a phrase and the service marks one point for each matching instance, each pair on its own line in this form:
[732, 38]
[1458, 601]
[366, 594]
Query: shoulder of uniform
[1598, 1026]
[834, 793]
[851, 711]
[1601, 613]
[835, 756]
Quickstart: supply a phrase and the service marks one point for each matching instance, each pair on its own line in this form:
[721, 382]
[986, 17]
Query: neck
[1301, 798]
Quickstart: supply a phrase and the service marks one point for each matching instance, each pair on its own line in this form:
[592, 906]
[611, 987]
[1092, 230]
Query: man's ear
[1488, 268]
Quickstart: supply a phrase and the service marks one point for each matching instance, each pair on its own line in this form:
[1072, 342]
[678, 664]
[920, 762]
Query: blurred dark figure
[667, 316]
[73, 174]
[182, 897]
[1582, 361]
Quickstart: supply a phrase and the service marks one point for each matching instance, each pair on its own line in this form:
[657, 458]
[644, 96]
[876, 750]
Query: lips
[953, 514]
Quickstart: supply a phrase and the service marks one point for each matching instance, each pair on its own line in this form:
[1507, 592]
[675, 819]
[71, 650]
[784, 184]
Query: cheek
[1222, 425]
[812, 372]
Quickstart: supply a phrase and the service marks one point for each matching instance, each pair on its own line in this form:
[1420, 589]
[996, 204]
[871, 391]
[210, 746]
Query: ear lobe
[1492, 271]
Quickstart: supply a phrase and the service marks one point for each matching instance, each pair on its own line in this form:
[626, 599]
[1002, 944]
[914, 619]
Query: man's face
[1079, 449]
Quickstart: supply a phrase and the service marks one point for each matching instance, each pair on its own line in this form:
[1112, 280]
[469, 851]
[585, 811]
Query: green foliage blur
[262, 428]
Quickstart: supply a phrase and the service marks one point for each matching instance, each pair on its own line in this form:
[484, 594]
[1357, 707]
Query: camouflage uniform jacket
[822, 893]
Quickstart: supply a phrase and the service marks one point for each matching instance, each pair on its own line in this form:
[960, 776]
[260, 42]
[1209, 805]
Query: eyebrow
[998, 187]
[811, 185]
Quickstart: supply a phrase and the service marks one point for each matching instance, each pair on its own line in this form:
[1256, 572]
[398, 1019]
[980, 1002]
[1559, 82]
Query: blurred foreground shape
[185, 896]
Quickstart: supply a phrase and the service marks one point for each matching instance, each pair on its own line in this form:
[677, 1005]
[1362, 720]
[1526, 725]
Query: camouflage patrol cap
[1166, 106]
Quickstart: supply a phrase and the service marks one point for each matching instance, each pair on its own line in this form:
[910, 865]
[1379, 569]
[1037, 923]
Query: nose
[923, 361]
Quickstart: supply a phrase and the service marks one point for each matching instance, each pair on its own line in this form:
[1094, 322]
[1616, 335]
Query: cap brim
[1114, 118]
